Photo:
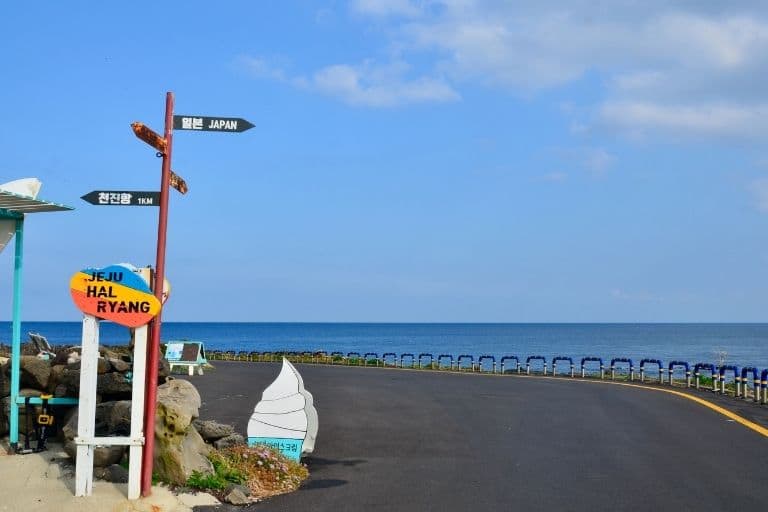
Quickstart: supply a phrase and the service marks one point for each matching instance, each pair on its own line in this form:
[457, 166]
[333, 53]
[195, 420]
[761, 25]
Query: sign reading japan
[115, 293]
[211, 124]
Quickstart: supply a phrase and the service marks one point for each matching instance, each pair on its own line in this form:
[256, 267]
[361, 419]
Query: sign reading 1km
[115, 293]
[211, 124]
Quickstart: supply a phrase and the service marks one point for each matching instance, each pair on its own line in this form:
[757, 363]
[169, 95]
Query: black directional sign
[211, 124]
[122, 198]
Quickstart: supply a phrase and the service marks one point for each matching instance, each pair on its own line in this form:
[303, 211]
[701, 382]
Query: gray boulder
[115, 473]
[236, 496]
[182, 398]
[212, 430]
[113, 384]
[242, 488]
[102, 365]
[5, 379]
[119, 418]
[103, 456]
[103, 414]
[179, 449]
[55, 379]
[35, 372]
[70, 377]
[230, 440]
[119, 365]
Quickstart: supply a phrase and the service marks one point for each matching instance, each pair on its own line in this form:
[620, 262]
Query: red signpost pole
[153, 347]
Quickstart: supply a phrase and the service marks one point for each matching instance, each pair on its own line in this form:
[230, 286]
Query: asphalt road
[400, 440]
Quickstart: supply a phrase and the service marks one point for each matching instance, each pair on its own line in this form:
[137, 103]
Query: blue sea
[739, 344]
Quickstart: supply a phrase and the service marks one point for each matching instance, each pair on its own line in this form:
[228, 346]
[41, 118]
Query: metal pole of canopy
[16, 337]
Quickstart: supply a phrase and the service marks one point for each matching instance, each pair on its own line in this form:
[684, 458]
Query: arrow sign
[211, 124]
[178, 183]
[122, 198]
[149, 136]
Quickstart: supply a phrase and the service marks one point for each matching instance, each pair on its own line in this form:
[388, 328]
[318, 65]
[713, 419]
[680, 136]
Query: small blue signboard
[291, 448]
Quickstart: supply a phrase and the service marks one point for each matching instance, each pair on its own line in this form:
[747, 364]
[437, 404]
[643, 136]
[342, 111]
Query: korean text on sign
[192, 123]
[114, 198]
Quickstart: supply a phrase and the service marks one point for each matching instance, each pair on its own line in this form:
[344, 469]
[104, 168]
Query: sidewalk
[46, 481]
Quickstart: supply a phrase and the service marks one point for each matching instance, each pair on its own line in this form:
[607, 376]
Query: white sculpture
[285, 418]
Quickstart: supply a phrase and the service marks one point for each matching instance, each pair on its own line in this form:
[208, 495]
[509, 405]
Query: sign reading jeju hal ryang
[114, 293]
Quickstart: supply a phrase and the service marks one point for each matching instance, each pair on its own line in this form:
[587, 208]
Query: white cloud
[368, 84]
[597, 160]
[759, 189]
[701, 119]
[260, 68]
[376, 86]
[692, 68]
[686, 68]
[555, 177]
[386, 7]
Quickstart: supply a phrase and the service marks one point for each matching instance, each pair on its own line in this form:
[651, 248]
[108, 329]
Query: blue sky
[461, 160]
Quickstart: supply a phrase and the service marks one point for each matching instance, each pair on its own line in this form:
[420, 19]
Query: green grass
[224, 473]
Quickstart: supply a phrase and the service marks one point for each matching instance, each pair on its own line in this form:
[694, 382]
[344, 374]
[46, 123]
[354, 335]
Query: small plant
[205, 481]
[268, 472]
[224, 473]
[264, 470]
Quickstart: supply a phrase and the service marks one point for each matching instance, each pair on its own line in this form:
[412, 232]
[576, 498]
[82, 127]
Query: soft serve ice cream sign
[285, 418]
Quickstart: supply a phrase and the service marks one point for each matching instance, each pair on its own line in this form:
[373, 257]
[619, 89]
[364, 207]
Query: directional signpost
[164, 144]
[122, 198]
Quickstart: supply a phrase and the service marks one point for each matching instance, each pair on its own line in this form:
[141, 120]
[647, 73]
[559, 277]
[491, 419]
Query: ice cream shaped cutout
[285, 418]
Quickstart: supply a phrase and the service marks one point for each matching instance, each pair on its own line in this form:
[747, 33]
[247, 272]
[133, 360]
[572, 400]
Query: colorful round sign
[114, 293]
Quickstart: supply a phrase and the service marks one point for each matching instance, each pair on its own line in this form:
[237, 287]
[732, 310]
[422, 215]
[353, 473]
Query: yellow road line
[706, 403]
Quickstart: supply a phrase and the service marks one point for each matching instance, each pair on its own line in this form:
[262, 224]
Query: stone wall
[182, 440]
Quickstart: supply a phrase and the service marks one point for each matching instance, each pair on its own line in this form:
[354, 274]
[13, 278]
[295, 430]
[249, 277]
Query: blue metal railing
[561, 358]
[443, 356]
[535, 358]
[426, 354]
[510, 358]
[622, 360]
[585, 360]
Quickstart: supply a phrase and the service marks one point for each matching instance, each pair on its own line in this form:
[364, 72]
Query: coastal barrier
[723, 379]
[585, 360]
[561, 358]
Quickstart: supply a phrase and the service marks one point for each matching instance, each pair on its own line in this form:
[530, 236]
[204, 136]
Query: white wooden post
[86, 420]
[137, 413]
[86, 434]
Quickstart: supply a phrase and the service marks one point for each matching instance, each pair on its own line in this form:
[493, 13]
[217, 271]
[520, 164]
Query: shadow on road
[320, 462]
[326, 483]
